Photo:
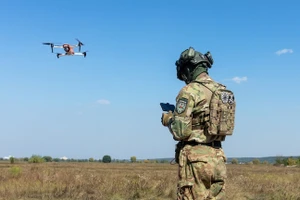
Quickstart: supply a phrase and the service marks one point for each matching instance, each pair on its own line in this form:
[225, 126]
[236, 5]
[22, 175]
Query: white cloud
[284, 51]
[239, 79]
[103, 101]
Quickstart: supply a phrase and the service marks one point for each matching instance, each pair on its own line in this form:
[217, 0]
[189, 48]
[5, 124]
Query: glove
[165, 118]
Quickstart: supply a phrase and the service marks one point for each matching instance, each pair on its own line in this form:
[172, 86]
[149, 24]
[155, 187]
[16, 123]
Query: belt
[214, 144]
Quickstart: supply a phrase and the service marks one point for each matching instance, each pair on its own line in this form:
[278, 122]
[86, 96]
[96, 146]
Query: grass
[130, 181]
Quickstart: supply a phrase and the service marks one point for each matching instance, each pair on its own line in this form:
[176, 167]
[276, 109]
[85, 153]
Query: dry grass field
[130, 181]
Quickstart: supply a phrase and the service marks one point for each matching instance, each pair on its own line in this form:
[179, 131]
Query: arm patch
[181, 105]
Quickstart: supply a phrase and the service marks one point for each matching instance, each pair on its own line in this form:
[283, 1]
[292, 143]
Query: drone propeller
[51, 44]
[79, 44]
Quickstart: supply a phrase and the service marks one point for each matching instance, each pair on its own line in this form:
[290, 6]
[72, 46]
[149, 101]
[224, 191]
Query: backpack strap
[213, 91]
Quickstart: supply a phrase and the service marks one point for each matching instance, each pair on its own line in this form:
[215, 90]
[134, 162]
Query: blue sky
[108, 102]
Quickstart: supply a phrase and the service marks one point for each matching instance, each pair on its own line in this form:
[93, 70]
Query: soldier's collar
[203, 77]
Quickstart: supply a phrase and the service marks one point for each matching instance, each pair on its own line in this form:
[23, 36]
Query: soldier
[197, 127]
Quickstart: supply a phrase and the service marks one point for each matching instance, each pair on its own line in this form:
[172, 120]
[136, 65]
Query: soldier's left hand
[165, 118]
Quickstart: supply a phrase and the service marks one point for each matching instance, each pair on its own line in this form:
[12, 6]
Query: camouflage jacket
[192, 99]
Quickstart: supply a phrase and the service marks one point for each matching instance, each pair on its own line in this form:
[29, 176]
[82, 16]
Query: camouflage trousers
[202, 173]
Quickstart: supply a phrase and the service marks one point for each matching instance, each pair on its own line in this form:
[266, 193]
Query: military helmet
[190, 59]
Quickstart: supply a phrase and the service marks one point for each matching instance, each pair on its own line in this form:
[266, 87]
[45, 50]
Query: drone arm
[74, 46]
[58, 46]
[77, 45]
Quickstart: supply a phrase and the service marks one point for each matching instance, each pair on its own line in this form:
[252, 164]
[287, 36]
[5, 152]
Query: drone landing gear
[80, 54]
[58, 55]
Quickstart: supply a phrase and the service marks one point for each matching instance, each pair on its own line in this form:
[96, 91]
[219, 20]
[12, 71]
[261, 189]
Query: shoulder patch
[181, 105]
[224, 97]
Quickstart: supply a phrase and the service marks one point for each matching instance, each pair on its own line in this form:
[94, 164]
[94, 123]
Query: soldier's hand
[165, 118]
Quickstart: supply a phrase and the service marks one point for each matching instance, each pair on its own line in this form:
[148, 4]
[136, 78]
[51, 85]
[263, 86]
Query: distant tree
[133, 159]
[106, 159]
[26, 159]
[91, 159]
[291, 161]
[47, 158]
[234, 161]
[12, 160]
[285, 161]
[56, 159]
[256, 161]
[36, 159]
[278, 160]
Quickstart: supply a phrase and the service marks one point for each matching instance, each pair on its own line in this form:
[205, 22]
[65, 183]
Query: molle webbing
[199, 120]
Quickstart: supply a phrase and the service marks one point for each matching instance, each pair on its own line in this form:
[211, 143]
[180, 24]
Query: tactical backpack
[221, 114]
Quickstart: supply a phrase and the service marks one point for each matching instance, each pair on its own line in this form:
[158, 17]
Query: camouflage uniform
[202, 169]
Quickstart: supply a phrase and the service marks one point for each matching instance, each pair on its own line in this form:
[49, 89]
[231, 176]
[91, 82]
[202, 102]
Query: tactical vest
[217, 119]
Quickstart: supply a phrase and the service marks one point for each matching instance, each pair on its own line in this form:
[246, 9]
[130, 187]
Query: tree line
[105, 159]
[285, 161]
